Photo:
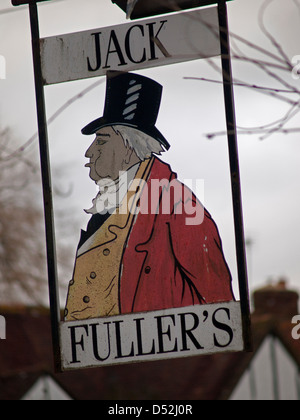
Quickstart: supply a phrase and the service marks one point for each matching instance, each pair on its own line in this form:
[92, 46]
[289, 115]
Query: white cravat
[111, 193]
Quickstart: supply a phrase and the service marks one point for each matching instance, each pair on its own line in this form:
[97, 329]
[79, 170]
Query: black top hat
[131, 100]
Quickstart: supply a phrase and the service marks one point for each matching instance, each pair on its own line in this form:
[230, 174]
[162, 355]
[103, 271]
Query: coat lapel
[140, 236]
[121, 217]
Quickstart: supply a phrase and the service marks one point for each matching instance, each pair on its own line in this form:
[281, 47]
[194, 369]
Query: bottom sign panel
[150, 336]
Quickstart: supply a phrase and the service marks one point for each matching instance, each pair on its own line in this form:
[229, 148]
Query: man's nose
[89, 153]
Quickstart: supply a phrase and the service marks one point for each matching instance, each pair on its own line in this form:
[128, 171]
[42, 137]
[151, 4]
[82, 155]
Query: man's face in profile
[107, 155]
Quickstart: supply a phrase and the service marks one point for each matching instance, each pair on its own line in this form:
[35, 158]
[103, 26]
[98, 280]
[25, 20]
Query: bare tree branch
[263, 28]
[23, 274]
[275, 65]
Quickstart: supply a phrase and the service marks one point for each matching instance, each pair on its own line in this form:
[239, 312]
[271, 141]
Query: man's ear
[128, 156]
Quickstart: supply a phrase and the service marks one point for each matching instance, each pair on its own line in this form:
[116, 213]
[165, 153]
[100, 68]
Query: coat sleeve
[197, 248]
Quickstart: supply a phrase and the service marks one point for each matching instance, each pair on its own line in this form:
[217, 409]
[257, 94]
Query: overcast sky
[270, 169]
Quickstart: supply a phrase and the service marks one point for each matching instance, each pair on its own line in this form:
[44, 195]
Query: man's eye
[100, 142]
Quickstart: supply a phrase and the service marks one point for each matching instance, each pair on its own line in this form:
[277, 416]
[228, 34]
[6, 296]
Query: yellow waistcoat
[94, 289]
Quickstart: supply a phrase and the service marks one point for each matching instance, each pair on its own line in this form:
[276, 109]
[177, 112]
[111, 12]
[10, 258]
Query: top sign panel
[143, 44]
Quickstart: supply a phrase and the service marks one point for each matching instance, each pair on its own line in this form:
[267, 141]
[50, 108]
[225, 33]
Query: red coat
[168, 263]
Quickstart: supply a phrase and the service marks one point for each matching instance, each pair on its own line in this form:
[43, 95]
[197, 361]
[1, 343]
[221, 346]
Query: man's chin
[94, 176]
[103, 179]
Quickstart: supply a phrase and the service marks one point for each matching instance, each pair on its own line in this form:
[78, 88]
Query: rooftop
[26, 355]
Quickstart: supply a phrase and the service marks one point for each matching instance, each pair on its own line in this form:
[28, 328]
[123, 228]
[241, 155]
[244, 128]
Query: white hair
[143, 144]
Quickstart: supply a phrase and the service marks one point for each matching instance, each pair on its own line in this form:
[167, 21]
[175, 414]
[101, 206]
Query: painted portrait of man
[150, 244]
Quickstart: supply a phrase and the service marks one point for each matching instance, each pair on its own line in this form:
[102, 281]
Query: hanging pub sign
[150, 278]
